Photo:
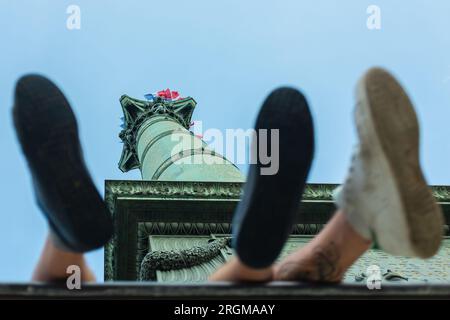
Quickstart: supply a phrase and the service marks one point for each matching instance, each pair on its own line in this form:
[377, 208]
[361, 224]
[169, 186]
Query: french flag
[167, 94]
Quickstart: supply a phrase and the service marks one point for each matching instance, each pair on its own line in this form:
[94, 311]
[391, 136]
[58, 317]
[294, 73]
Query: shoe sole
[47, 130]
[265, 215]
[409, 218]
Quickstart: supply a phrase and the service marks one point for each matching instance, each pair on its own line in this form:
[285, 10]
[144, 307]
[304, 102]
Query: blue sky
[227, 55]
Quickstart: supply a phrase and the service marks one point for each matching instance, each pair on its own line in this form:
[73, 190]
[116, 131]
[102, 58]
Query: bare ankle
[327, 257]
[318, 264]
[235, 270]
[54, 262]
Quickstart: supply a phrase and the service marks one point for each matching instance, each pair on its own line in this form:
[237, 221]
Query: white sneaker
[385, 196]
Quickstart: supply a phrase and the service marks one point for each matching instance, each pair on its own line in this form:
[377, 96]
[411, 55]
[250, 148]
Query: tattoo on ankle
[294, 271]
[323, 266]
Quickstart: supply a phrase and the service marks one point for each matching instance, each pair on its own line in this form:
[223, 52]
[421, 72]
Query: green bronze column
[157, 141]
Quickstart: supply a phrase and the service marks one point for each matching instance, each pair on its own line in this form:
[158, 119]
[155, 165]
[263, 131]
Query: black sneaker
[48, 132]
[263, 219]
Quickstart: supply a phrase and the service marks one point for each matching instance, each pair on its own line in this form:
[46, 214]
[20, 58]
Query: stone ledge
[220, 291]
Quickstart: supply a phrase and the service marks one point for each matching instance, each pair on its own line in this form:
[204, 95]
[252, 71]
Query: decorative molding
[175, 260]
[146, 229]
[129, 188]
[182, 228]
[441, 193]
[322, 192]
[170, 189]
[109, 261]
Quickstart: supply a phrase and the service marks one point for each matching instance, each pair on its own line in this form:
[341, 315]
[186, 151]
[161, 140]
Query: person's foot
[47, 130]
[264, 217]
[385, 197]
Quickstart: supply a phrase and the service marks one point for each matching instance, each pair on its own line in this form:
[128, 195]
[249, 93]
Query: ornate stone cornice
[167, 189]
[226, 190]
[136, 112]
